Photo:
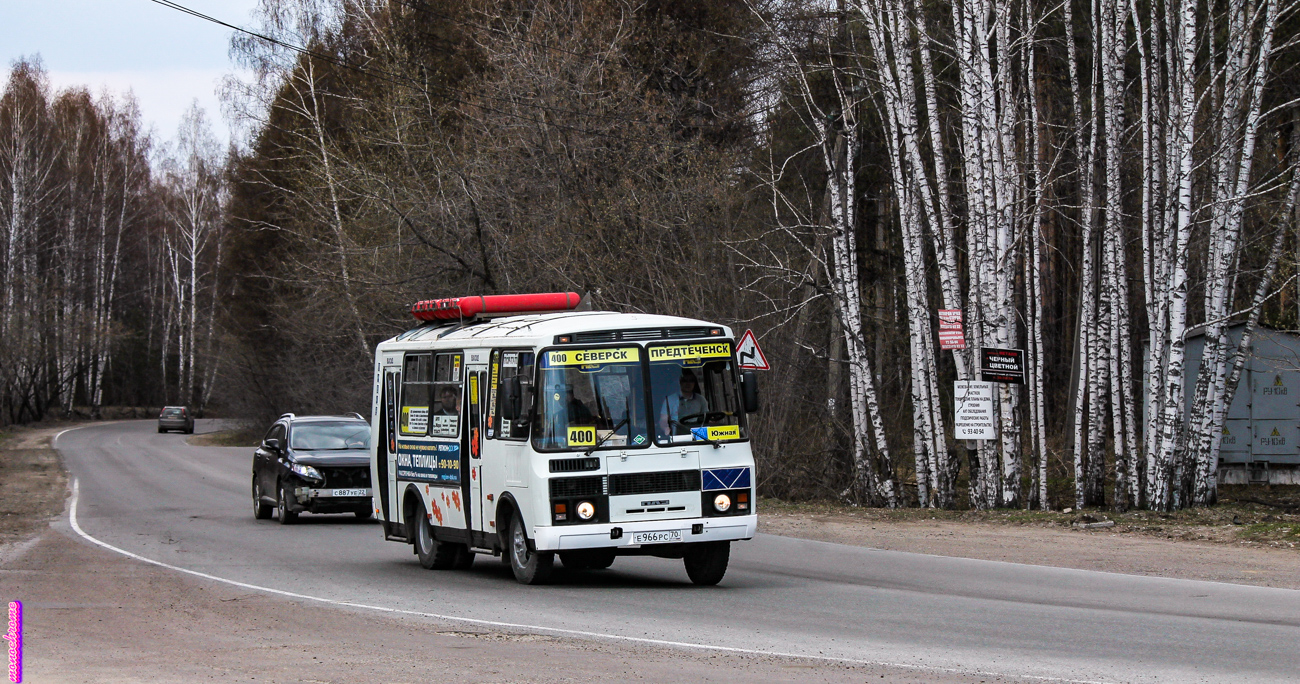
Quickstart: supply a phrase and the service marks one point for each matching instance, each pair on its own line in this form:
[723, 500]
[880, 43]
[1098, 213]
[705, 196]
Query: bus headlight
[586, 510]
[721, 503]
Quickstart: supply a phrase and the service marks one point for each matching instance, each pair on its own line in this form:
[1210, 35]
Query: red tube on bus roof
[494, 305]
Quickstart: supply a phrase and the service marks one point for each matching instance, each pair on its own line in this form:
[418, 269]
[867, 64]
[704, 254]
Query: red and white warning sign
[748, 353]
[950, 332]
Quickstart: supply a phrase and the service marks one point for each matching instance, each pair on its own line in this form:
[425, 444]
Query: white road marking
[72, 518]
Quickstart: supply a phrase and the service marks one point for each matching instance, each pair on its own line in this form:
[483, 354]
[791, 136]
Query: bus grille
[574, 465]
[655, 483]
[566, 487]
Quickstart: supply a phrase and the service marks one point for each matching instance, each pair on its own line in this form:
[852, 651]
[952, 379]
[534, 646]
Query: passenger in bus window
[450, 403]
[685, 409]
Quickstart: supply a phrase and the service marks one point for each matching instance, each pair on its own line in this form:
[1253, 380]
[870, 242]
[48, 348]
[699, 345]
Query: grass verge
[1250, 516]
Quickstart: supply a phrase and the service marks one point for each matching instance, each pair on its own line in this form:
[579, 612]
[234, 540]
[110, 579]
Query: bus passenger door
[476, 391]
[385, 482]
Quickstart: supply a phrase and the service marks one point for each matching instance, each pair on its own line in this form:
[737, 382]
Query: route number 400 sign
[973, 405]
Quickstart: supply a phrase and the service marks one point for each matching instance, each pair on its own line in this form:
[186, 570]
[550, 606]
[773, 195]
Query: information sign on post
[1003, 365]
[973, 409]
[950, 332]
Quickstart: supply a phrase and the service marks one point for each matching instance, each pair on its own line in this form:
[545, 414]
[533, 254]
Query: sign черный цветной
[1002, 365]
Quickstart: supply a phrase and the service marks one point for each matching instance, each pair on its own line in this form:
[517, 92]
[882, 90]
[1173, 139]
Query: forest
[1091, 182]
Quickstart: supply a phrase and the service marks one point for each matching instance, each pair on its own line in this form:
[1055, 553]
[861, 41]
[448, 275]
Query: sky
[167, 58]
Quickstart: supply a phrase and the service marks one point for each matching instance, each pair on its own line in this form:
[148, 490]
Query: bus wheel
[530, 567]
[434, 555]
[706, 562]
[464, 558]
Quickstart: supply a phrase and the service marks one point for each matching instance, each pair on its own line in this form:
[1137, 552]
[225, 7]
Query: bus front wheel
[706, 562]
[529, 566]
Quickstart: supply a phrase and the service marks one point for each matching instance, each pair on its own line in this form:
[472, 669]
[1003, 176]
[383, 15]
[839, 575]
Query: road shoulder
[1113, 549]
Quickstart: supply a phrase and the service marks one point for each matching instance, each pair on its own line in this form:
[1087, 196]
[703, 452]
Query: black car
[314, 464]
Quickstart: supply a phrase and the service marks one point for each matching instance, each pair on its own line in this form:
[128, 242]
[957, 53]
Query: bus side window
[417, 385]
[448, 383]
[507, 364]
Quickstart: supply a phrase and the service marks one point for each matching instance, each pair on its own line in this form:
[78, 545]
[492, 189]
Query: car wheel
[434, 555]
[706, 562]
[530, 567]
[364, 514]
[160, 431]
[261, 509]
[594, 559]
[287, 517]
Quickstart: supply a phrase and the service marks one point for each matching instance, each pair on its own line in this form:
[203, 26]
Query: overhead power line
[453, 94]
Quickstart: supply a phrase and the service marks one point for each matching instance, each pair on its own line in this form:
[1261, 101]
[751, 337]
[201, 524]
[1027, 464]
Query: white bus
[521, 427]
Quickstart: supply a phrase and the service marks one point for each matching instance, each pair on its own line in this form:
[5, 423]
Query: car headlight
[306, 471]
[721, 503]
[586, 510]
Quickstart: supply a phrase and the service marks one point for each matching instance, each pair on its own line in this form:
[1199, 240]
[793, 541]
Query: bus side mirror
[511, 392]
[749, 390]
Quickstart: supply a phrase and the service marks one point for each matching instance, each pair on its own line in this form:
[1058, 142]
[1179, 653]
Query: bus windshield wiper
[602, 439]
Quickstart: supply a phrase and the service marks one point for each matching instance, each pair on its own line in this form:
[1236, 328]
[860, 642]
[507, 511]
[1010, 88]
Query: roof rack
[286, 415]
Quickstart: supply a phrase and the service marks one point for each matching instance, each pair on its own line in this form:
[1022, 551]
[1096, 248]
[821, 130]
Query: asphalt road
[158, 497]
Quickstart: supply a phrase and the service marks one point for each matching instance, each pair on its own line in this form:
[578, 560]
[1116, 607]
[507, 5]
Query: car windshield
[693, 393]
[588, 397]
[330, 436]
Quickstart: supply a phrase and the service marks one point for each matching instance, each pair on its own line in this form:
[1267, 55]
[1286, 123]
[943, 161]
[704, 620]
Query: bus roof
[541, 329]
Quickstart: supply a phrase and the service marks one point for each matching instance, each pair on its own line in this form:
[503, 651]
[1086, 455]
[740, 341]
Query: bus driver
[684, 404]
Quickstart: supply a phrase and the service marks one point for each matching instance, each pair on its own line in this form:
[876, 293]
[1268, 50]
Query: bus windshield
[590, 397]
[693, 393]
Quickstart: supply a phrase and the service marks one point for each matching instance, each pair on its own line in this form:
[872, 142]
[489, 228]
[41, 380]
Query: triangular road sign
[748, 353]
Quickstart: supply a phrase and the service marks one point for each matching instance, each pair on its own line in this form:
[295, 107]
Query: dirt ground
[33, 485]
[130, 622]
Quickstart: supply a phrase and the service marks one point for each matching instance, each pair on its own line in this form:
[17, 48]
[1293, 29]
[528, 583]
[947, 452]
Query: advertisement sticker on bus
[415, 420]
[429, 461]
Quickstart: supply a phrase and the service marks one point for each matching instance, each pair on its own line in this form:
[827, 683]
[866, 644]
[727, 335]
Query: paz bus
[525, 427]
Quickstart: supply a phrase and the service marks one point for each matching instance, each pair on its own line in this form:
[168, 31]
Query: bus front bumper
[602, 536]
